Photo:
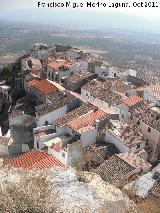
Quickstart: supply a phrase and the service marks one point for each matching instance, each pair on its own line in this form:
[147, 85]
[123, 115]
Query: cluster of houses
[78, 107]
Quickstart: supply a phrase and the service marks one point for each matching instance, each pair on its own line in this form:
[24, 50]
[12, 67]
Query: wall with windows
[51, 117]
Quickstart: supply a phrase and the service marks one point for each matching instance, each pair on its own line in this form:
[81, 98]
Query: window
[147, 142]
[138, 146]
[138, 122]
[37, 145]
[115, 75]
[149, 129]
[63, 154]
[46, 122]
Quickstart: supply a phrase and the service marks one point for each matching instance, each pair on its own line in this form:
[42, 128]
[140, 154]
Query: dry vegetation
[58, 191]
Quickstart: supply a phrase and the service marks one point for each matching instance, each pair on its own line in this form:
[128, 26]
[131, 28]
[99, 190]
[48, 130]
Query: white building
[73, 53]
[148, 119]
[152, 94]
[60, 68]
[127, 138]
[39, 50]
[121, 72]
[101, 93]
[56, 106]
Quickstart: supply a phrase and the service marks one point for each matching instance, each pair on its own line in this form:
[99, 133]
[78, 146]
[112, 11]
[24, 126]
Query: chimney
[97, 123]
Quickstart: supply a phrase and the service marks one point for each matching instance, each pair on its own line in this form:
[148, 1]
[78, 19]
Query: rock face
[66, 191]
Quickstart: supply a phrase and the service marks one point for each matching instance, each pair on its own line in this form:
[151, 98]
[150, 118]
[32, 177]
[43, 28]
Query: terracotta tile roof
[132, 101]
[87, 120]
[134, 160]
[57, 64]
[114, 170]
[119, 86]
[77, 77]
[102, 91]
[155, 191]
[58, 99]
[74, 114]
[35, 71]
[44, 133]
[147, 114]
[32, 82]
[130, 135]
[43, 86]
[119, 167]
[35, 159]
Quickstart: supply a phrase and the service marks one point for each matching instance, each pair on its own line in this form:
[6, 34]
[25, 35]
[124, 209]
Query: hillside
[59, 191]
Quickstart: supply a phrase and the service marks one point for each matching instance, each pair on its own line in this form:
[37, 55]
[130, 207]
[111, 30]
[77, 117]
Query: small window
[37, 145]
[115, 75]
[149, 129]
[147, 142]
[138, 146]
[138, 122]
[46, 122]
[63, 154]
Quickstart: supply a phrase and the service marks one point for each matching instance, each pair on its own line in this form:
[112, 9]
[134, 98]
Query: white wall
[62, 156]
[52, 116]
[85, 93]
[110, 138]
[72, 54]
[149, 96]
[102, 72]
[88, 138]
[41, 140]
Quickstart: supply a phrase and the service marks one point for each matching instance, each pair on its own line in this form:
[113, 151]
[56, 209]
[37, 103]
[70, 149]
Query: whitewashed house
[148, 119]
[127, 138]
[121, 72]
[152, 94]
[60, 68]
[73, 53]
[40, 89]
[100, 93]
[56, 106]
[39, 50]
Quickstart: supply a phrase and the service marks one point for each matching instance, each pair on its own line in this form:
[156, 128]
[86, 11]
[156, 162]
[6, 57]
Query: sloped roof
[43, 86]
[35, 159]
[86, 120]
[74, 114]
[57, 63]
[134, 160]
[155, 89]
[132, 101]
[114, 169]
[156, 189]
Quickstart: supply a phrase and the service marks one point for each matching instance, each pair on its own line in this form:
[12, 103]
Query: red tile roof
[56, 64]
[43, 86]
[134, 160]
[35, 159]
[86, 120]
[35, 72]
[132, 101]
